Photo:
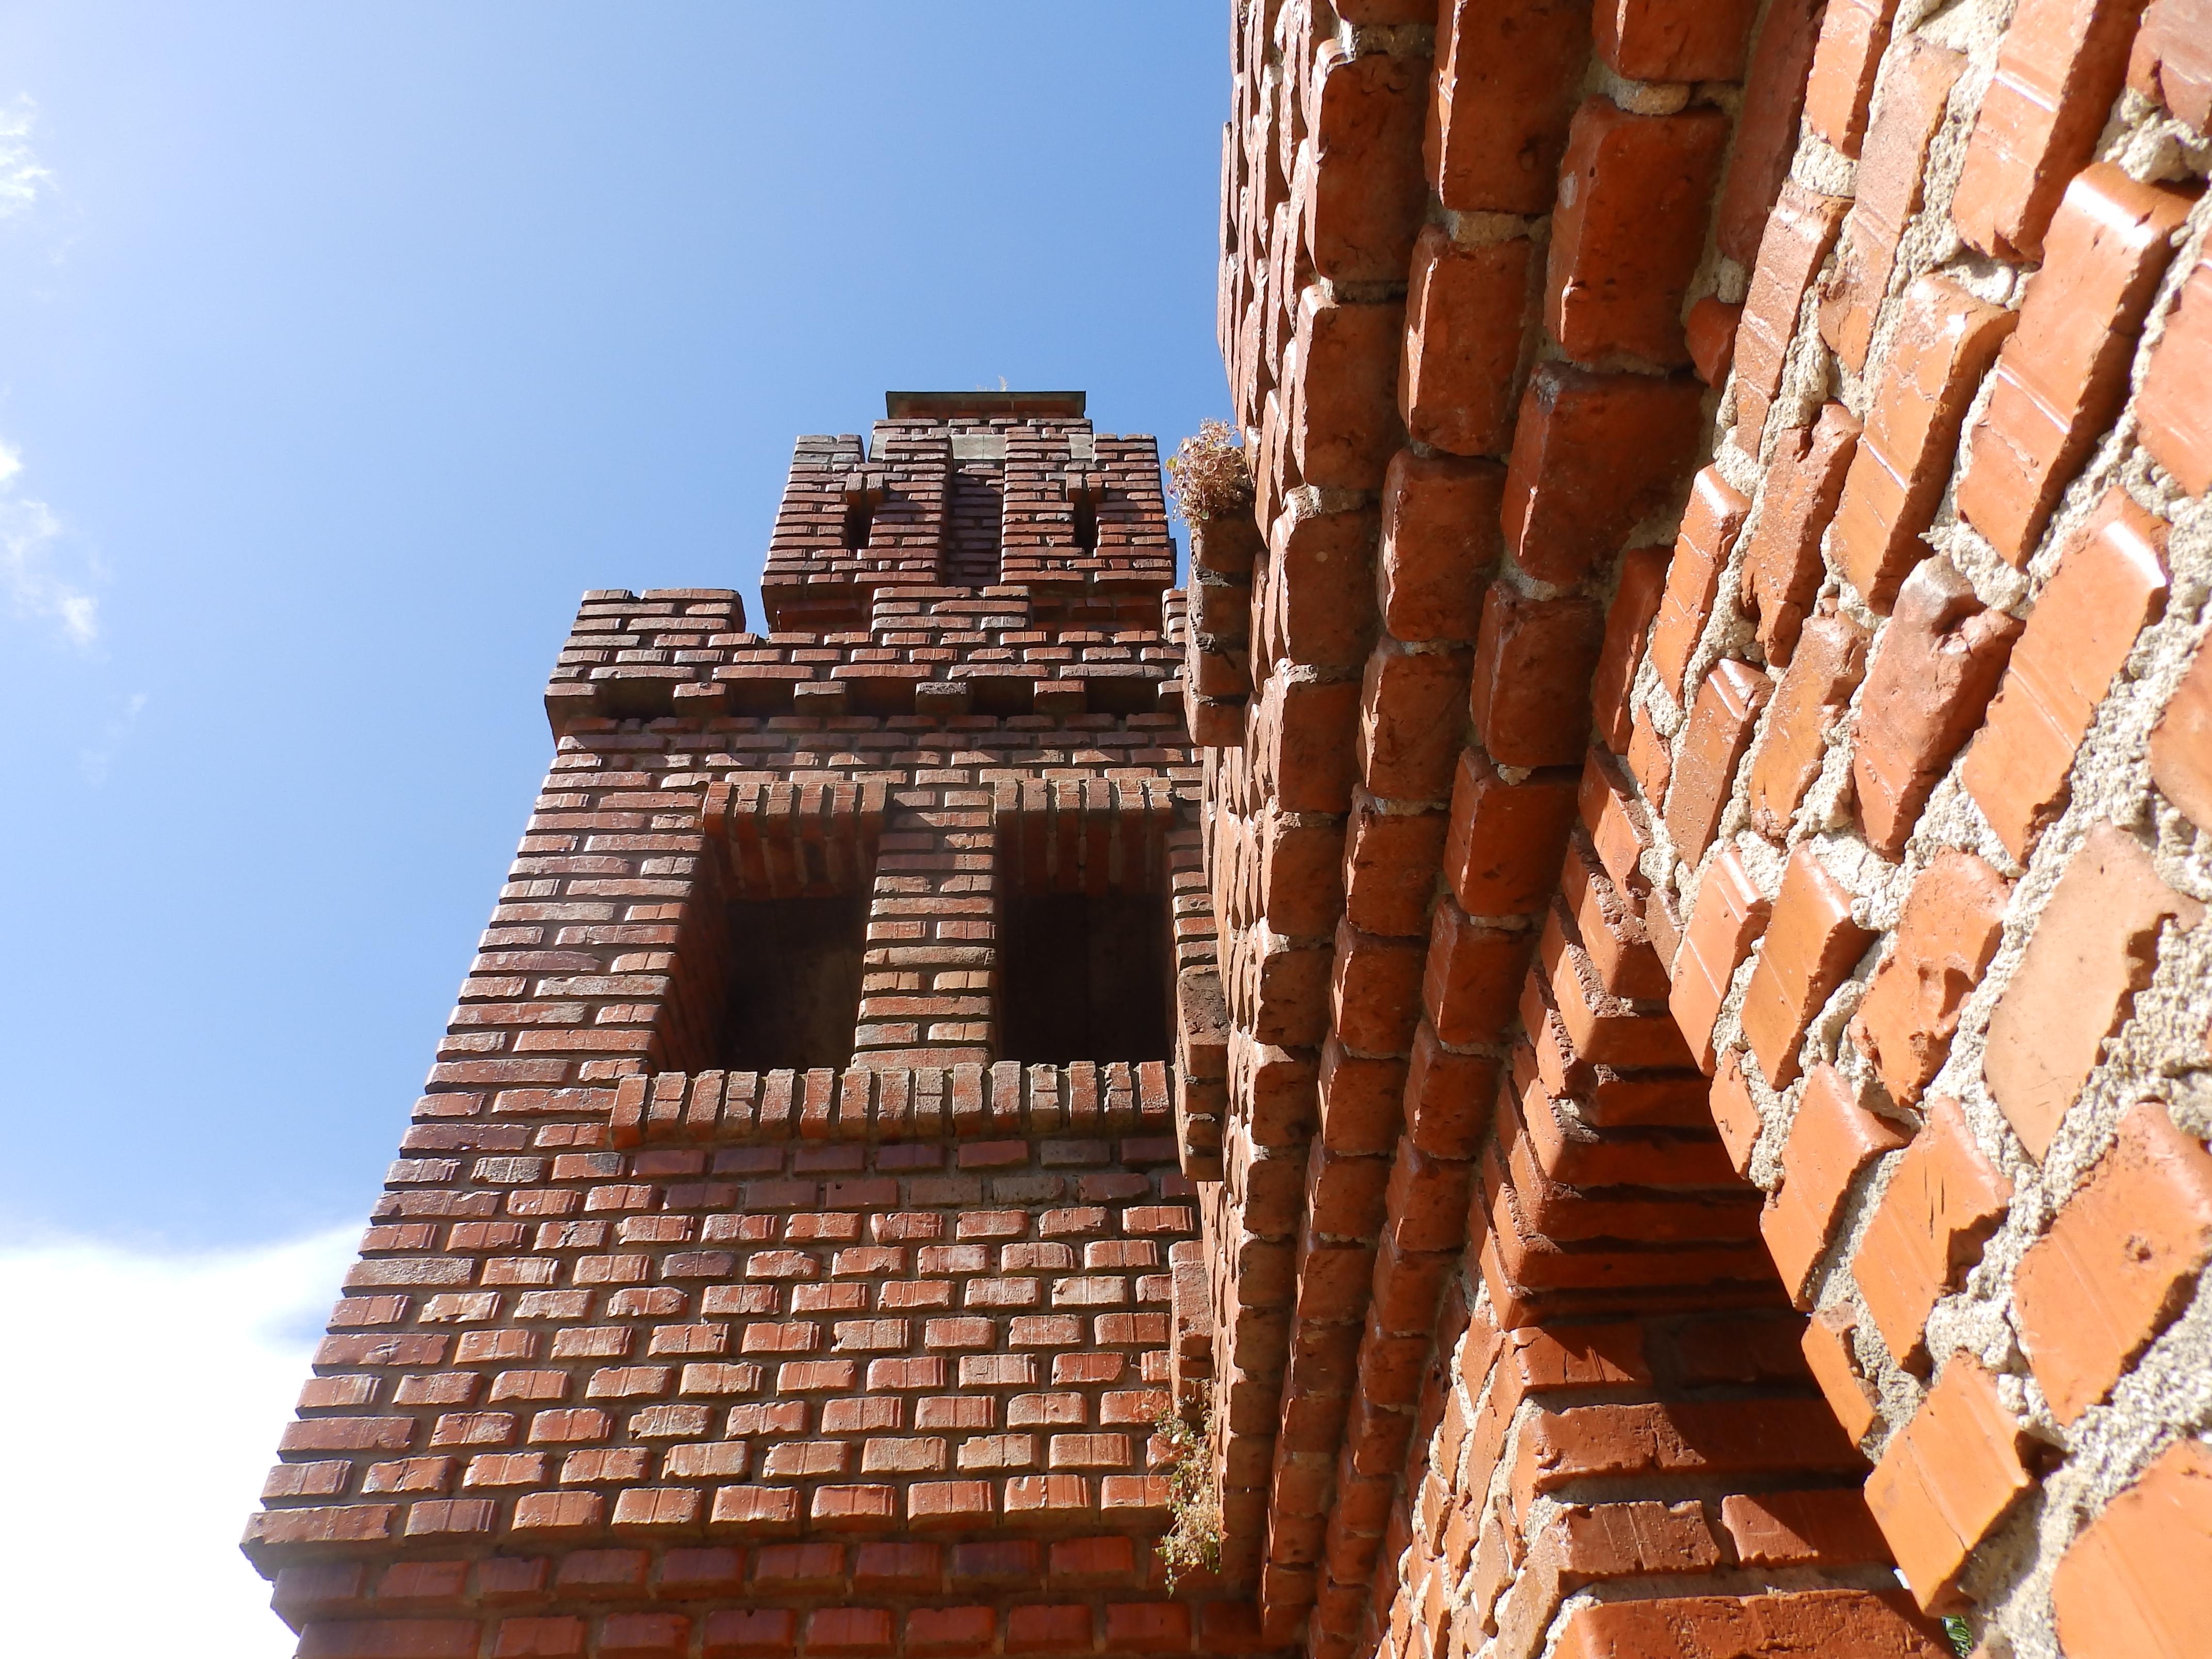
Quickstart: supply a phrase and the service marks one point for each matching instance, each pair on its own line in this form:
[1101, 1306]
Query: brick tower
[1673, 1122]
[781, 1254]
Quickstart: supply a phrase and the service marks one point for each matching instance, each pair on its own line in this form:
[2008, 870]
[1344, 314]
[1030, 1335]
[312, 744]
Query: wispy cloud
[94, 762]
[22, 179]
[32, 558]
[145, 1399]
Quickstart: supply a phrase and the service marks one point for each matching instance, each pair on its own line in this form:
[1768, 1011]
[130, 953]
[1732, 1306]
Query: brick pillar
[933, 939]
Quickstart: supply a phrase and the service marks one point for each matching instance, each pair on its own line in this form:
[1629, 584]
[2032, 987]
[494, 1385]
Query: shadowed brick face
[1671, 1087]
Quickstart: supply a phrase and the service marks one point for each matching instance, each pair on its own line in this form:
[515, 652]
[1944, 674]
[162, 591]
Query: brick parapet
[969, 501]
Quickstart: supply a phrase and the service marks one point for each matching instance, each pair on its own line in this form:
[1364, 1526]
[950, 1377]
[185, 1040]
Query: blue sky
[342, 346]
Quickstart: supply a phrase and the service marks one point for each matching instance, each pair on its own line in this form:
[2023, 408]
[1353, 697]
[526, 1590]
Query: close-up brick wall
[1593, 1043]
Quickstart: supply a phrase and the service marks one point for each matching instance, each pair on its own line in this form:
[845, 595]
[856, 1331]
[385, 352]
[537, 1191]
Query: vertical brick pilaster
[926, 998]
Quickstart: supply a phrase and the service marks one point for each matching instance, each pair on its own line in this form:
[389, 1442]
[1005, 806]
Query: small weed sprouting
[1208, 475]
[1193, 1543]
[1962, 1639]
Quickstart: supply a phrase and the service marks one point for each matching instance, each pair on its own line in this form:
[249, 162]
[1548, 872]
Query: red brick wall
[1705, 789]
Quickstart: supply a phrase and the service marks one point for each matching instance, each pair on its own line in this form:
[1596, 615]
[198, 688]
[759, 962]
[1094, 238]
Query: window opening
[793, 985]
[1084, 976]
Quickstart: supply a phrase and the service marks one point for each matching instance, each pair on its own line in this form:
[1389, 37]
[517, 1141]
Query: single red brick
[1937, 663]
[1710, 524]
[1347, 425]
[1031, 1628]
[2059, 68]
[1781, 569]
[1766, 126]
[1802, 1528]
[1627, 622]
[2062, 376]
[555, 1512]
[1390, 862]
[1810, 945]
[1614, 817]
[1891, 176]
[1592, 455]
[1834, 1363]
[1508, 80]
[2094, 948]
[1728, 917]
[2181, 744]
[2177, 426]
[1439, 544]
[1673, 40]
[399, 1638]
[1533, 665]
[766, 1509]
[948, 1503]
[751, 1633]
[1300, 893]
[1810, 702]
[1448, 1097]
[1709, 334]
[2119, 1262]
[1366, 196]
[1502, 847]
[2172, 59]
[1858, 1622]
[1727, 706]
[2137, 1581]
[644, 1635]
[1651, 761]
[688, 1573]
[851, 1630]
[1629, 227]
[1375, 991]
[1795, 243]
[1410, 724]
[1853, 34]
[1944, 341]
[1325, 585]
[951, 1632]
[1473, 976]
[1305, 744]
[1947, 1479]
[1466, 311]
[1944, 940]
[555, 1638]
[1943, 1200]
[1831, 1140]
[2109, 585]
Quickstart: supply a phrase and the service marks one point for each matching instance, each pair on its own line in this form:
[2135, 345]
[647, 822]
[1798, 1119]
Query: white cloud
[144, 1393]
[94, 763]
[21, 178]
[30, 532]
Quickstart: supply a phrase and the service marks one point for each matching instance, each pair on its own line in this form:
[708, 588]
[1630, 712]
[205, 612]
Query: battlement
[970, 490]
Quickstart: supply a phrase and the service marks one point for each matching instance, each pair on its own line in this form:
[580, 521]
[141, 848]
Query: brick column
[932, 938]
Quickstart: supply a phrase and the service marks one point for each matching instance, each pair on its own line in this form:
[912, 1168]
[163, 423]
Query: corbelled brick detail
[1875, 911]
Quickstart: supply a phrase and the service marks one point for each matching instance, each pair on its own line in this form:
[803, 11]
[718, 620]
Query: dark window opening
[1086, 525]
[859, 523]
[1083, 977]
[795, 982]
